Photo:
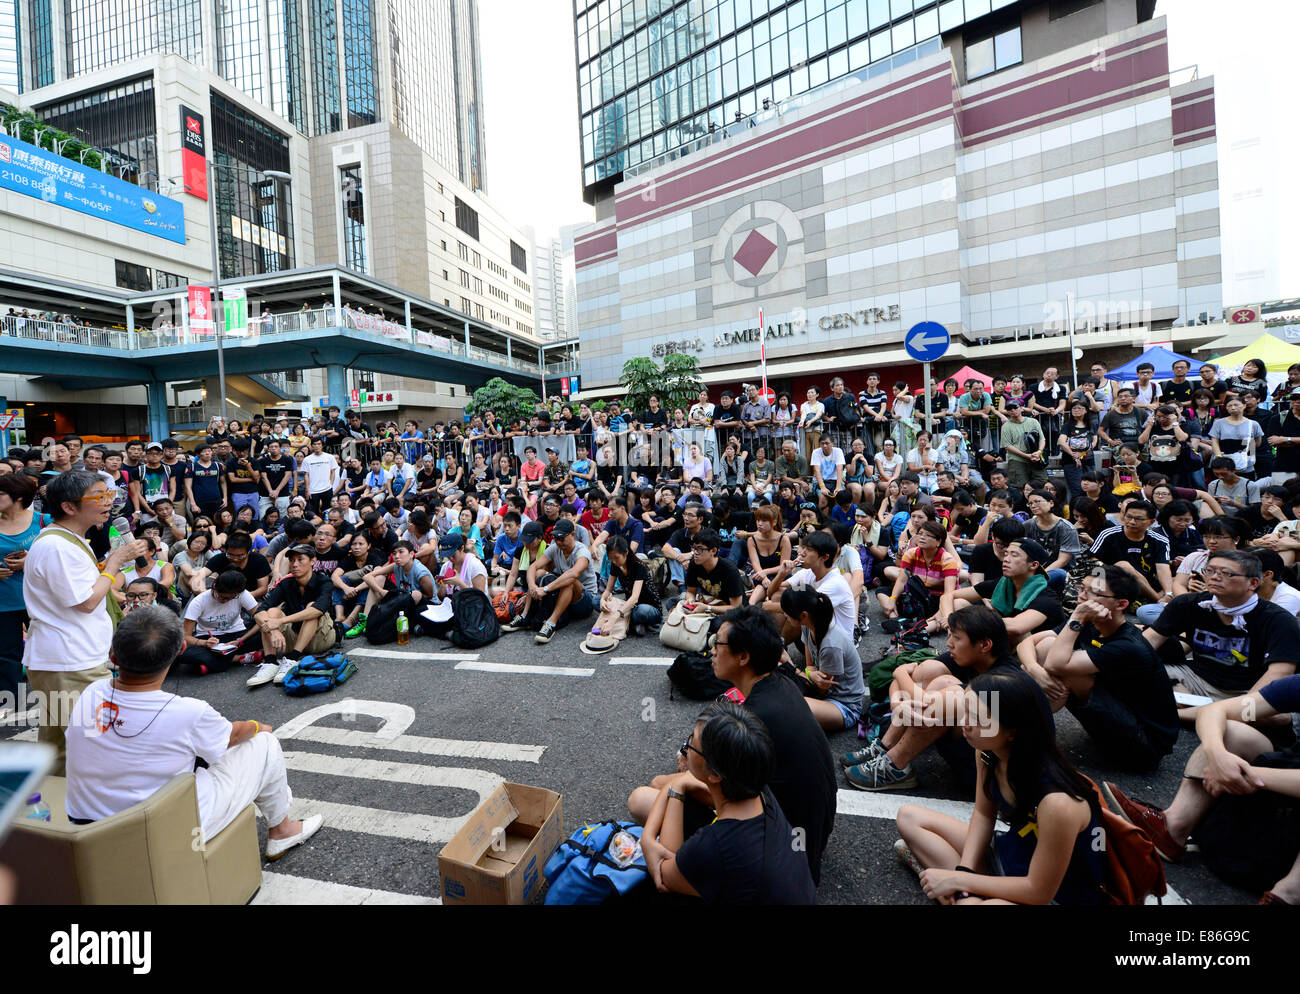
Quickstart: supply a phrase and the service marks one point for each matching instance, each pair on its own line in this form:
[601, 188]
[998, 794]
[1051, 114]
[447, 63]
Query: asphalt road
[432, 729]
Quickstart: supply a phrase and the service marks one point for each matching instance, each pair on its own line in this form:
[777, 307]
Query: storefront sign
[194, 155]
[785, 329]
[869, 315]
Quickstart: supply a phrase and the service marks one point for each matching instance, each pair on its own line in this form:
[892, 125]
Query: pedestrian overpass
[326, 317]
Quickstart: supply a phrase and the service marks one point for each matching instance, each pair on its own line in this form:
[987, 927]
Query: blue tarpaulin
[1161, 358]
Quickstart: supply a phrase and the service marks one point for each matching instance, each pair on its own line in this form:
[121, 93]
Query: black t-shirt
[636, 570]
[985, 560]
[356, 479]
[654, 419]
[1123, 427]
[239, 479]
[742, 520]
[256, 567]
[290, 598]
[384, 544]
[1144, 554]
[722, 414]
[1131, 672]
[1177, 393]
[1050, 398]
[966, 525]
[747, 862]
[803, 771]
[274, 470]
[722, 582]
[1226, 657]
[1288, 456]
[1047, 602]
[180, 470]
[968, 673]
[207, 482]
[327, 562]
[427, 480]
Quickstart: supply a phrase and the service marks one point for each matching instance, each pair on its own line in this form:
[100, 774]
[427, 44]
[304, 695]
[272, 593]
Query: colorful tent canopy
[965, 374]
[1276, 354]
[1158, 356]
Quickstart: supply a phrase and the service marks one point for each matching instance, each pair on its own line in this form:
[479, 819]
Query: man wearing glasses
[1138, 551]
[66, 596]
[1240, 642]
[1101, 669]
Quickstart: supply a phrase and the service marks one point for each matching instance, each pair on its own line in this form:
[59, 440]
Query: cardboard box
[499, 854]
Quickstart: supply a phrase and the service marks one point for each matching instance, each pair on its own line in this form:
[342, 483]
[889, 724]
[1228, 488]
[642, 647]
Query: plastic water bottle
[40, 810]
[403, 629]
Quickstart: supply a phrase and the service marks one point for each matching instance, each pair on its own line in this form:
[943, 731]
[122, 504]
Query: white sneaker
[284, 669]
[265, 673]
[275, 848]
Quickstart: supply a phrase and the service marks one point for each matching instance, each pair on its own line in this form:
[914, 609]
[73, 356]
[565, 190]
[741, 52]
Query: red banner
[201, 308]
[194, 163]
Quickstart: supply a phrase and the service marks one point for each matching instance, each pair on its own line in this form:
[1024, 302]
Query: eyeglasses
[148, 595]
[1096, 593]
[687, 747]
[1213, 571]
[105, 498]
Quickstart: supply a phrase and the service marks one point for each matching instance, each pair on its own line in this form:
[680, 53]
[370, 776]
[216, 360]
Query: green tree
[640, 378]
[681, 381]
[506, 400]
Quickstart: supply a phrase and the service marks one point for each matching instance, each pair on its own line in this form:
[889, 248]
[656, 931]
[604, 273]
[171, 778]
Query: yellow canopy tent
[1276, 354]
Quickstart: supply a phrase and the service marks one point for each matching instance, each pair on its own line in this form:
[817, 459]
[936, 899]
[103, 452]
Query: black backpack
[475, 620]
[692, 674]
[381, 622]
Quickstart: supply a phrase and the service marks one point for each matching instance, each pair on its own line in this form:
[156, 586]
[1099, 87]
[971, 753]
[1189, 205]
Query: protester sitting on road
[237, 554]
[729, 753]
[1234, 758]
[1049, 854]
[461, 568]
[933, 565]
[1021, 596]
[815, 568]
[746, 653]
[213, 618]
[712, 584]
[112, 765]
[829, 662]
[630, 580]
[561, 585]
[294, 618]
[1109, 677]
[409, 577]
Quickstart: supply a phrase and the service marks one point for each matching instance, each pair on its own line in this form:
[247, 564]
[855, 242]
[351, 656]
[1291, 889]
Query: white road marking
[524, 668]
[413, 657]
[27, 736]
[882, 804]
[394, 718]
[432, 829]
[508, 751]
[664, 661]
[479, 781]
[282, 888]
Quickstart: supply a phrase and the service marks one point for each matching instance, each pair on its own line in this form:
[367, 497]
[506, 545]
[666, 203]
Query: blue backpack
[581, 870]
[315, 676]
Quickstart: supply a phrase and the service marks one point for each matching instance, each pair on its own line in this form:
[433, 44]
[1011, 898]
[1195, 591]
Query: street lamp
[275, 174]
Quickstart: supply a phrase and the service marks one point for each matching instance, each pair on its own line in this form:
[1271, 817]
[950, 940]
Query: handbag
[1240, 459]
[685, 632]
[615, 621]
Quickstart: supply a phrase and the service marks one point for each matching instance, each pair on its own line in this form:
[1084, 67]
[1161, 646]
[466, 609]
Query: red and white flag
[201, 308]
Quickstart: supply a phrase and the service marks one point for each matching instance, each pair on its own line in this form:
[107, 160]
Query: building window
[119, 119]
[478, 285]
[444, 245]
[42, 43]
[478, 260]
[359, 73]
[518, 257]
[133, 277]
[464, 305]
[288, 62]
[478, 311]
[164, 280]
[993, 53]
[1064, 8]
[325, 66]
[102, 33]
[254, 212]
[466, 218]
[464, 251]
[239, 45]
[446, 275]
[464, 279]
[354, 218]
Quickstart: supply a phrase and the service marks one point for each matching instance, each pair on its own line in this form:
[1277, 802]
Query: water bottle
[403, 629]
[40, 810]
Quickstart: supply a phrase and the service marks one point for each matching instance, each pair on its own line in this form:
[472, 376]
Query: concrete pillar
[130, 327]
[410, 333]
[159, 425]
[338, 306]
[336, 385]
[508, 356]
[467, 338]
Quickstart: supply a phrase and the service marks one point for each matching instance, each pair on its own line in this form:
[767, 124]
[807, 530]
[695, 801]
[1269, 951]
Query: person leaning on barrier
[113, 765]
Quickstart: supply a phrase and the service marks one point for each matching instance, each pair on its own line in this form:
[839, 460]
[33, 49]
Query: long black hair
[812, 603]
[1036, 767]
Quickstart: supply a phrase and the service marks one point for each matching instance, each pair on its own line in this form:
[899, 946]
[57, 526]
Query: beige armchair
[150, 853]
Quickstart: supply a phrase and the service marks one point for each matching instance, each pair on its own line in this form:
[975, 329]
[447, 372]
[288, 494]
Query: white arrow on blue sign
[927, 341]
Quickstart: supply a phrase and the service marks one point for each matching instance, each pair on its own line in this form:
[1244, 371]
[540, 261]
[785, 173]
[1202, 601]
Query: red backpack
[508, 605]
[1132, 866]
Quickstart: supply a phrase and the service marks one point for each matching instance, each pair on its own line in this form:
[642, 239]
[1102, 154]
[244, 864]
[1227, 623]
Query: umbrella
[1158, 356]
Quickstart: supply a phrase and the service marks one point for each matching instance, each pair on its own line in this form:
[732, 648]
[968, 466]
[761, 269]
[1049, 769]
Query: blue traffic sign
[927, 341]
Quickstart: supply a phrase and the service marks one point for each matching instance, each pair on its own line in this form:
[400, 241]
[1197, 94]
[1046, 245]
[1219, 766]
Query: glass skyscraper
[654, 75]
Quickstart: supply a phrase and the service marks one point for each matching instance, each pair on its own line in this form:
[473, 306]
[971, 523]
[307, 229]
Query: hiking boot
[880, 774]
[1147, 817]
[544, 634]
[863, 755]
[905, 854]
[265, 674]
[358, 629]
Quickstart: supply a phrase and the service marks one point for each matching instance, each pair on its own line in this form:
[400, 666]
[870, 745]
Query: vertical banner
[194, 155]
[200, 309]
[235, 306]
[564, 386]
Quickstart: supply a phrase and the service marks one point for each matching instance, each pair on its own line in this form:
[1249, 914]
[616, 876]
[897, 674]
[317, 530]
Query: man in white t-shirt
[213, 619]
[322, 472]
[817, 555]
[828, 467]
[66, 599]
[113, 764]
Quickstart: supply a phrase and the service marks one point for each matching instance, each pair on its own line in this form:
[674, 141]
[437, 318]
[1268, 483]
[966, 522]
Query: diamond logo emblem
[755, 252]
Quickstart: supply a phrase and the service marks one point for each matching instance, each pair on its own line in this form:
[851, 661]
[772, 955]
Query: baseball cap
[1293, 395]
[153, 445]
[303, 550]
[1034, 552]
[531, 532]
[1012, 403]
[450, 543]
[561, 528]
[552, 448]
